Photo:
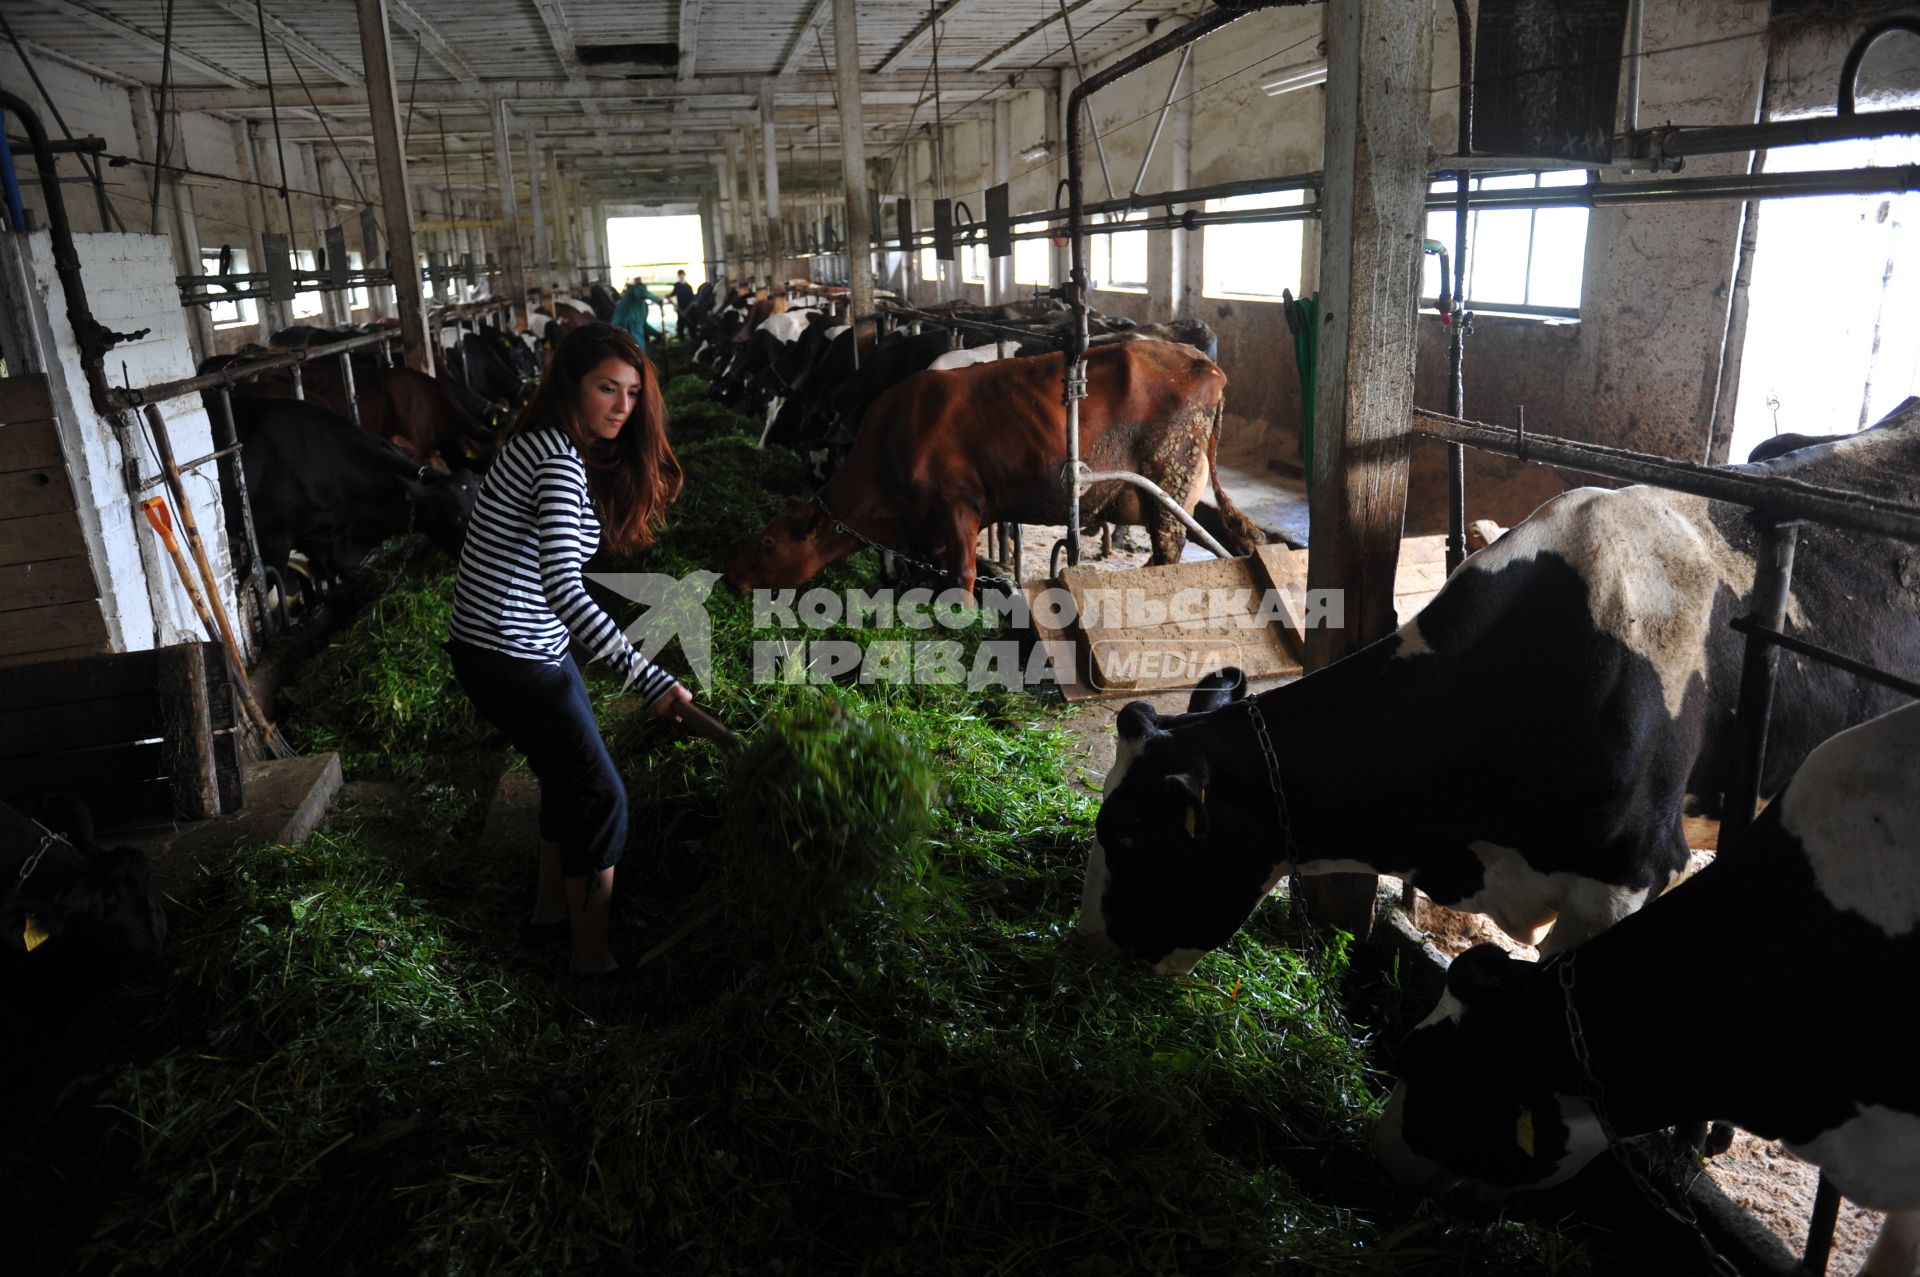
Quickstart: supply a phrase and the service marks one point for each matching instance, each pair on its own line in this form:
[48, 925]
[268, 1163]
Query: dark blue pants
[543, 709]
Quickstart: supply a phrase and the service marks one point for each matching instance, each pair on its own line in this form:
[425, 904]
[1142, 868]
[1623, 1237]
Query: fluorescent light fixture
[1286, 79]
[1034, 154]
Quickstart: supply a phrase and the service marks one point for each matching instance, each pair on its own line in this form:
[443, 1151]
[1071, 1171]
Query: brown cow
[943, 454]
[414, 412]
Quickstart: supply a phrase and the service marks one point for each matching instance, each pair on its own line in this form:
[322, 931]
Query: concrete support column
[1186, 293]
[1380, 59]
[514, 281]
[395, 197]
[770, 151]
[853, 156]
[173, 215]
[540, 277]
[716, 223]
[756, 209]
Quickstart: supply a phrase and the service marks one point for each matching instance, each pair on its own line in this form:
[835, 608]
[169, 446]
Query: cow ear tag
[1192, 818]
[33, 935]
[1523, 1132]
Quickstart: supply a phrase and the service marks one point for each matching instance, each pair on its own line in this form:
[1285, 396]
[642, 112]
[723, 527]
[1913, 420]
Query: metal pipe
[299, 382]
[1661, 143]
[1636, 32]
[1160, 122]
[1074, 388]
[1826, 655]
[1820, 1222]
[233, 480]
[1850, 70]
[346, 381]
[1457, 320]
[1773, 495]
[120, 400]
[1772, 583]
[1090, 477]
[94, 338]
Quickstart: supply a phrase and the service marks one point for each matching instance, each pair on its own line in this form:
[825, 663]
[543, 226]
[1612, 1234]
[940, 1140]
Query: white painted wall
[131, 286]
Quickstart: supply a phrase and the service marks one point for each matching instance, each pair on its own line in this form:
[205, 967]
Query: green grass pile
[827, 807]
[385, 685]
[346, 1066]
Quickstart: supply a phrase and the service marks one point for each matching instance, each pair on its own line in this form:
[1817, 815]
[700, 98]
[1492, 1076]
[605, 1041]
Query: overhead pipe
[1075, 291]
[94, 338]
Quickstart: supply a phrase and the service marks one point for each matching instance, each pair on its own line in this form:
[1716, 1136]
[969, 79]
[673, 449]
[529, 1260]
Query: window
[1033, 258]
[1519, 259]
[230, 314]
[357, 296]
[973, 261]
[1253, 259]
[929, 266]
[309, 303]
[1119, 261]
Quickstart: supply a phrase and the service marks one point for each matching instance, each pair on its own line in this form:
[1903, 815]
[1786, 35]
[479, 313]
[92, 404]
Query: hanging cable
[273, 105]
[326, 128]
[107, 213]
[160, 121]
[939, 133]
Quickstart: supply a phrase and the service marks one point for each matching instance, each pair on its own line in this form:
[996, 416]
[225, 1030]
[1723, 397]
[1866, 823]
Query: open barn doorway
[651, 249]
[1833, 329]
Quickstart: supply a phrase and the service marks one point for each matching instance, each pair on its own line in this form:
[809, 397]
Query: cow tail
[1243, 535]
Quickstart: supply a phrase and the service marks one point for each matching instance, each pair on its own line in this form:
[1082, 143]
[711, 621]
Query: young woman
[589, 459]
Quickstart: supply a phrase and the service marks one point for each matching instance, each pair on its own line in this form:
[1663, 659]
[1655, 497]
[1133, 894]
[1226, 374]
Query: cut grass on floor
[344, 1066]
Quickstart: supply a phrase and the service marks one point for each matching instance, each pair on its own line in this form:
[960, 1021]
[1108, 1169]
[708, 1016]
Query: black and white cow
[319, 486]
[1681, 1025]
[72, 910]
[1527, 745]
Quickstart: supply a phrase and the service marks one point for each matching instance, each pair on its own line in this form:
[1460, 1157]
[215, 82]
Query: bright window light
[1252, 259]
[1118, 262]
[307, 304]
[1528, 259]
[228, 314]
[1033, 258]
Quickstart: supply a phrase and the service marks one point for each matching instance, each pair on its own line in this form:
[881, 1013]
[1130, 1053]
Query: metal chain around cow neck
[872, 544]
[1594, 1094]
[1310, 939]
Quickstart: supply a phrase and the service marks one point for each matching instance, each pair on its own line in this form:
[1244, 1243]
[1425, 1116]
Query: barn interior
[1455, 259]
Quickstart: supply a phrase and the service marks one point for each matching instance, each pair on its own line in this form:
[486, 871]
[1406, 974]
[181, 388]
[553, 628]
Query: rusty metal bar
[1774, 495]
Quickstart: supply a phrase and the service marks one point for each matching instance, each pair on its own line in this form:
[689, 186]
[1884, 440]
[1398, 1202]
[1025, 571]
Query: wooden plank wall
[49, 599]
[141, 736]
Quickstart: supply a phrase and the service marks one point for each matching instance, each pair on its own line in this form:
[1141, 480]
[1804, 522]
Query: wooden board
[30, 631]
[73, 682]
[42, 584]
[29, 445]
[1160, 628]
[44, 490]
[25, 399]
[34, 538]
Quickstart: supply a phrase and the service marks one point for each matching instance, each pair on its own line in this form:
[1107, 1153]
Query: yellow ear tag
[33, 935]
[1523, 1132]
[1192, 820]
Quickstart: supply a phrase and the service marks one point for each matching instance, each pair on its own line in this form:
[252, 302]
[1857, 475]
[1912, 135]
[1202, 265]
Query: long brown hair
[633, 476]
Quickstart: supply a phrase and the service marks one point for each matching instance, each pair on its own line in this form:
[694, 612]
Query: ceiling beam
[560, 34]
[798, 89]
[1007, 50]
[39, 50]
[106, 22]
[919, 34]
[293, 40]
[687, 33]
[407, 19]
[797, 48]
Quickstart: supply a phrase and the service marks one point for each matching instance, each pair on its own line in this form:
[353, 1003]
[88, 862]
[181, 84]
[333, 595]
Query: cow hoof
[1719, 1140]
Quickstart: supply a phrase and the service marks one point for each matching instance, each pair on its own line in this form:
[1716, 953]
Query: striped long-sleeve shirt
[519, 589]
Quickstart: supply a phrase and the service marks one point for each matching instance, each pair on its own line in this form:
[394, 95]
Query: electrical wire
[160, 143]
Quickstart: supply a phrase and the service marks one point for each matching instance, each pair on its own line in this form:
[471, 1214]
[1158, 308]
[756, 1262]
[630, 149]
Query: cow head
[81, 909]
[442, 506]
[1476, 1099]
[796, 543]
[1179, 864]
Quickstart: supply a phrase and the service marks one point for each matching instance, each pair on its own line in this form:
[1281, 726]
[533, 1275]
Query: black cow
[73, 910]
[1526, 746]
[323, 488]
[1678, 1026]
